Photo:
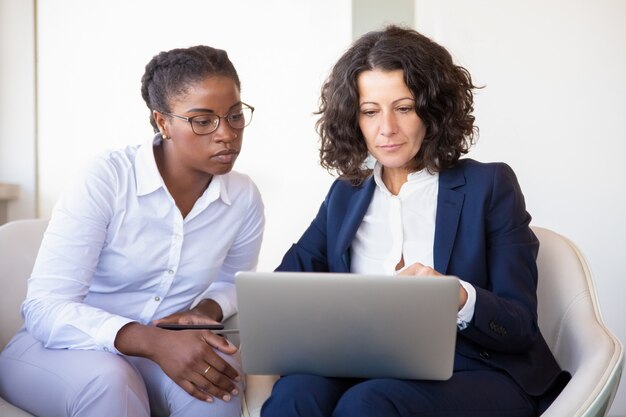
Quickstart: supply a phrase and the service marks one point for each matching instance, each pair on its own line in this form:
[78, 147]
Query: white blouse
[402, 226]
[117, 249]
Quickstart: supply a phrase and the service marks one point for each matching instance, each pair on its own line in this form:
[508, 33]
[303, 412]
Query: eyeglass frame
[219, 119]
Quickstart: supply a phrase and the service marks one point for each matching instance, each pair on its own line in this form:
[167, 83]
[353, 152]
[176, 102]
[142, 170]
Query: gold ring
[207, 369]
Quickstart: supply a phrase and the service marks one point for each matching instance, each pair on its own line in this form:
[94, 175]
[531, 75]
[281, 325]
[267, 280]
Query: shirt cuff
[466, 314]
[228, 309]
[105, 337]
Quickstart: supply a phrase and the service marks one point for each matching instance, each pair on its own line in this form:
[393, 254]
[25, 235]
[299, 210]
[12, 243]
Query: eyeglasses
[205, 124]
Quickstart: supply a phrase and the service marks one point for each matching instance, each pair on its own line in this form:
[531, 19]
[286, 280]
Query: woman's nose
[388, 124]
[224, 132]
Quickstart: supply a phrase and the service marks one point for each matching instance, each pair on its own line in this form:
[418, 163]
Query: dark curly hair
[170, 73]
[443, 100]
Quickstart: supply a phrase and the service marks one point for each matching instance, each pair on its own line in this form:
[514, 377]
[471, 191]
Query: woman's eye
[235, 117]
[202, 121]
[368, 113]
[405, 109]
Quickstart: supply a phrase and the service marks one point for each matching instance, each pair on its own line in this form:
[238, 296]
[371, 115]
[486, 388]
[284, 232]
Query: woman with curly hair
[397, 97]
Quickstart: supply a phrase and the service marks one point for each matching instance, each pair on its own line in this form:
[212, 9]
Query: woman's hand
[418, 269]
[206, 312]
[188, 357]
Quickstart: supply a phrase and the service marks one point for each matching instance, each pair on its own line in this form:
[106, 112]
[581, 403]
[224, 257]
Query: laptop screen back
[347, 325]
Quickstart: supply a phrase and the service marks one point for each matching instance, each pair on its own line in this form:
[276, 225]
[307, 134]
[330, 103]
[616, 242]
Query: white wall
[17, 104]
[370, 15]
[554, 109]
[92, 55]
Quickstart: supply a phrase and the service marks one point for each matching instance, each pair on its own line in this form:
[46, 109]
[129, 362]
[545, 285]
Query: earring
[164, 136]
[236, 136]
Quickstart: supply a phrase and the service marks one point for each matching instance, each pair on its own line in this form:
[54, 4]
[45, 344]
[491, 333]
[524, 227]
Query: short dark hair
[170, 73]
[443, 100]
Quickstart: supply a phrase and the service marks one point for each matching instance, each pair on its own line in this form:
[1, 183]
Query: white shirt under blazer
[399, 227]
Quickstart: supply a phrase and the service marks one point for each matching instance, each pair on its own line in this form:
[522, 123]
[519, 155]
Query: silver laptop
[347, 325]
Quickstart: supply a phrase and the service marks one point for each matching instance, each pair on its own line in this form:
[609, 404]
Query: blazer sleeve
[310, 252]
[505, 316]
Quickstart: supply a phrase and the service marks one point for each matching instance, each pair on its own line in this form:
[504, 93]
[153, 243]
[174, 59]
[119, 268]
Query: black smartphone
[170, 326]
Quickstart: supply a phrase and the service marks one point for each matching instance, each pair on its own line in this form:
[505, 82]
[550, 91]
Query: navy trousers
[471, 393]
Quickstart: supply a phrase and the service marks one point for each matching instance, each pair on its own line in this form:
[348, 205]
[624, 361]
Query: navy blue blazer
[481, 236]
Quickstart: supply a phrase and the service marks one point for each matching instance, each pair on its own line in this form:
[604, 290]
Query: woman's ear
[160, 120]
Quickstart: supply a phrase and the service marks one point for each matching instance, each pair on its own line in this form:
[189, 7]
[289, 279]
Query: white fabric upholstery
[19, 244]
[569, 319]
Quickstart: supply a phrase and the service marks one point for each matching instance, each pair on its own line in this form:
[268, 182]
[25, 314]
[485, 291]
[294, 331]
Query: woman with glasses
[397, 97]
[150, 235]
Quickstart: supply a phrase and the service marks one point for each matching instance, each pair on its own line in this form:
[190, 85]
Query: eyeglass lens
[207, 123]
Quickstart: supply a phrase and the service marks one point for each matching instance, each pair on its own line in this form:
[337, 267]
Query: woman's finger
[194, 391]
[220, 366]
[218, 342]
[212, 382]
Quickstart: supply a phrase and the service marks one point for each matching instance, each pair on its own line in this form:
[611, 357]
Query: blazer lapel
[449, 205]
[355, 211]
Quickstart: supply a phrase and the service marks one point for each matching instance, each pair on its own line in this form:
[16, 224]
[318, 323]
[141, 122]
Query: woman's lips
[390, 147]
[227, 156]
